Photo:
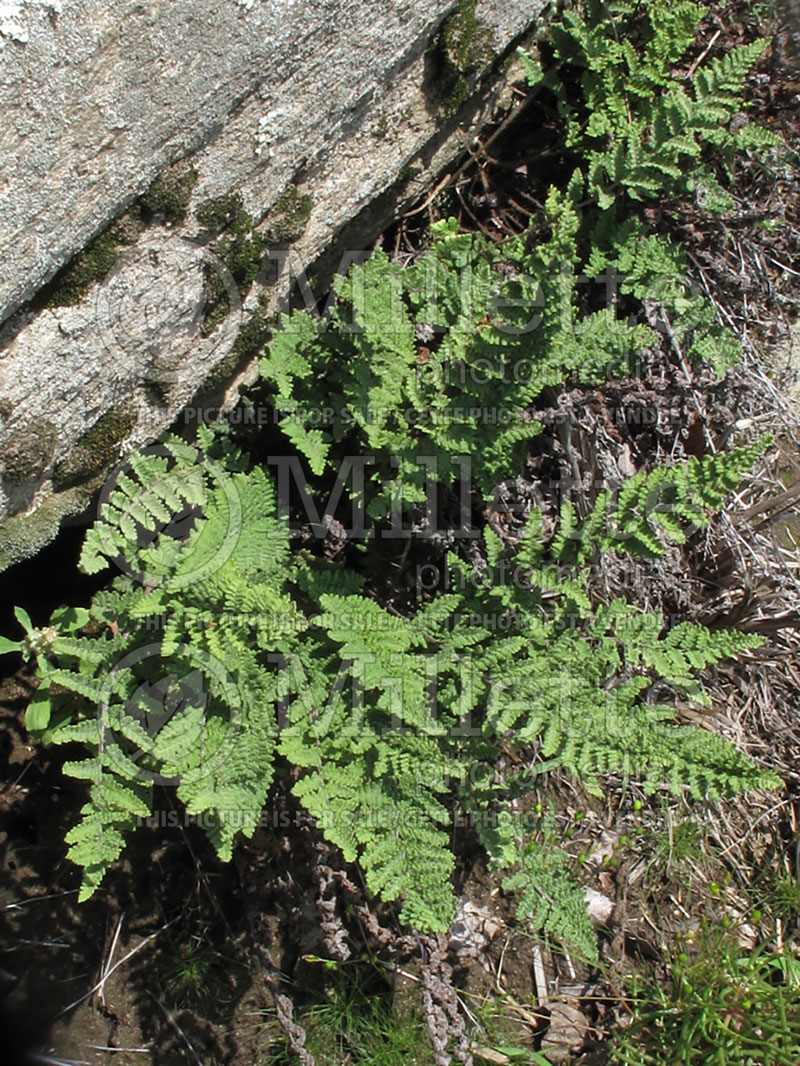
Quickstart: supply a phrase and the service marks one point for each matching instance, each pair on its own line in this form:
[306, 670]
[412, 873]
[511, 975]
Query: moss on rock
[23, 535]
[467, 42]
[28, 455]
[254, 334]
[224, 212]
[75, 279]
[288, 218]
[462, 52]
[238, 245]
[129, 227]
[98, 447]
[167, 200]
[169, 195]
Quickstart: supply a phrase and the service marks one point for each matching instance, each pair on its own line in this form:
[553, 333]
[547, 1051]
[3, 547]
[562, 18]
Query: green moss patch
[98, 447]
[461, 53]
[166, 201]
[224, 213]
[288, 219]
[238, 245]
[168, 197]
[71, 284]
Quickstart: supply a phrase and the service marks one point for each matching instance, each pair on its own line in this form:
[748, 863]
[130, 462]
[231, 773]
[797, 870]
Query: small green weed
[356, 1023]
[677, 847]
[191, 973]
[785, 897]
[722, 1008]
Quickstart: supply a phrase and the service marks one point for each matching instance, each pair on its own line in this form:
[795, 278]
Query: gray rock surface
[332, 101]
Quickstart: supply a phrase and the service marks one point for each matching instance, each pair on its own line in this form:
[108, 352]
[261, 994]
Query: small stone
[598, 907]
[471, 931]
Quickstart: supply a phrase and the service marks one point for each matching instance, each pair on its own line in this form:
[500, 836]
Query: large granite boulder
[167, 166]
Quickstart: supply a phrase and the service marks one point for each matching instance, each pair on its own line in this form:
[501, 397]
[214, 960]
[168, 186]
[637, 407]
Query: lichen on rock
[15, 16]
[22, 535]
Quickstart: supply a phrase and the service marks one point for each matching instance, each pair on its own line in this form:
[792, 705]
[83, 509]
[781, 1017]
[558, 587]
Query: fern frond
[550, 899]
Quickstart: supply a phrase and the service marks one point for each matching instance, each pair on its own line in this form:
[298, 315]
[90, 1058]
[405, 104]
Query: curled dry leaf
[566, 1032]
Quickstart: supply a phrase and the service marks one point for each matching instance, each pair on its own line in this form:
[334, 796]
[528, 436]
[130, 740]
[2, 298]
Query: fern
[154, 488]
[652, 131]
[341, 689]
[185, 700]
[449, 356]
[654, 508]
[549, 898]
[224, 664]
[471, 392]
